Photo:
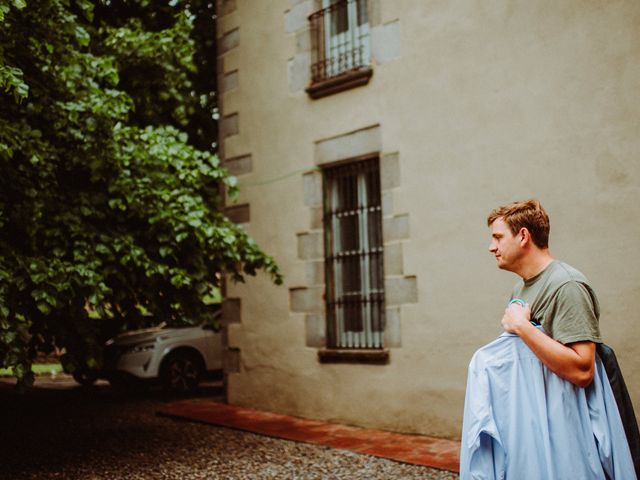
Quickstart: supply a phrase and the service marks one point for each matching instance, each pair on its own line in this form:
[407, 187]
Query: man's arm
[574, 362]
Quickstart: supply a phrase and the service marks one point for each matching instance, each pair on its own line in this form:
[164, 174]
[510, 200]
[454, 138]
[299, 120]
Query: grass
[38, 369]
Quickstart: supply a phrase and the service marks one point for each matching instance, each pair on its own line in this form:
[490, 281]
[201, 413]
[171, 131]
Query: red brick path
[414, 449]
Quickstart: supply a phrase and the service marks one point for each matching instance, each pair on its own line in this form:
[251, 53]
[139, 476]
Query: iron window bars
[340, 39]
[354, 256]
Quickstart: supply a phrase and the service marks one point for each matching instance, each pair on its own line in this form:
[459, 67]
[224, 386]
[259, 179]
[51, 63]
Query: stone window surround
[296, 21]
[399, 288]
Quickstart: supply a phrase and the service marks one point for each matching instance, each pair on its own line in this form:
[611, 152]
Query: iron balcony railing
[340, 39]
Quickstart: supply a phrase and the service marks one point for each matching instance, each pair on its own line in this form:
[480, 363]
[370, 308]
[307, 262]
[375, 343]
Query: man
[538, 404]
[551, 293]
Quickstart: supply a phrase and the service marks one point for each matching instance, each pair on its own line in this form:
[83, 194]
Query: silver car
[177, 356]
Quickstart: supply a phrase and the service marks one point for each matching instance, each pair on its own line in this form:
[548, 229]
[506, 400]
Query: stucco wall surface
[485, 103]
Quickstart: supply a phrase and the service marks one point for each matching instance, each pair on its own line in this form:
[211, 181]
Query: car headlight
[143, 347]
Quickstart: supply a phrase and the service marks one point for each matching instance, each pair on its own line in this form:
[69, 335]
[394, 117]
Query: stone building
[370, 139]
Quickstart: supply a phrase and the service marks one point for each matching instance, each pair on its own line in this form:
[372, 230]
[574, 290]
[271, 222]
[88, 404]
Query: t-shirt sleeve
[574, 316]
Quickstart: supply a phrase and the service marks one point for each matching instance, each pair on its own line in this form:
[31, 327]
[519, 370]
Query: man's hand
[574, 362]
[516, 317]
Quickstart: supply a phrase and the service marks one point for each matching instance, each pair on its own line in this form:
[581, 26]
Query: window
[354, 256]
[341, 48]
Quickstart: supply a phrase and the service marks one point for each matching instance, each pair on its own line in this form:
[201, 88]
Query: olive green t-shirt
[563, 302]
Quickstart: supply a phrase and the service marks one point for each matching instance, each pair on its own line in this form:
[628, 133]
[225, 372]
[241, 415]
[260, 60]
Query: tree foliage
[151, 67]
[110, 214]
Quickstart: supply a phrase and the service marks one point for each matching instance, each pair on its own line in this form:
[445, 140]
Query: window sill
[372, 357]
[345, 81]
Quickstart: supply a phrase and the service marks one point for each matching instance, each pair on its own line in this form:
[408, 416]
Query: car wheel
[181, 372]
[85, 377]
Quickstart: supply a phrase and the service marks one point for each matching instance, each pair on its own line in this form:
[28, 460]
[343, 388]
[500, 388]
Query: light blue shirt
[523, 422]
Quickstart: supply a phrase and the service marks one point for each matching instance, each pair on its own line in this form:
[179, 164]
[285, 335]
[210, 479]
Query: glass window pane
[341, 36]
[355, 276]
[349, 233]
[339, 18]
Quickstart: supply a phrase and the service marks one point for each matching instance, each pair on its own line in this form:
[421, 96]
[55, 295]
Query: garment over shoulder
[522, 421]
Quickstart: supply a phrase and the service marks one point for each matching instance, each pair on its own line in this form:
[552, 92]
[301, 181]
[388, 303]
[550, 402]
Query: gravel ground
[95, 434]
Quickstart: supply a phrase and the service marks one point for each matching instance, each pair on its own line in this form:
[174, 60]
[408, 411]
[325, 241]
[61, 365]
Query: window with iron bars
[340, 39]
[354, 256]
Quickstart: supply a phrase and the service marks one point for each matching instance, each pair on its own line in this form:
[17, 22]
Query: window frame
[340, 60]
[348, 306]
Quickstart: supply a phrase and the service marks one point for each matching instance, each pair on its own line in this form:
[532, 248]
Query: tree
[192, 107]
[109, 218]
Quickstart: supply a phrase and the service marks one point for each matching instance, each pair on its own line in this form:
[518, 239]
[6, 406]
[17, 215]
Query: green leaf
[44, 307]
[82, 36]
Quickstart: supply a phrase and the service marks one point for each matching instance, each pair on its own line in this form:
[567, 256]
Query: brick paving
[413, 449]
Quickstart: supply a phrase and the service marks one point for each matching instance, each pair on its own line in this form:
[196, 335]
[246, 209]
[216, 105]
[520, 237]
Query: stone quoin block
[229, 125]
[299, 71]
[392, 332]
[220, 65]
[238, 213]
[307, 300]
[317, 220]
[224, 7]
[389, 171]
[229, 41]
[312, 189]
[315, 330]
[229, 81]
[395, 228]
[315, 273]
[393, 259]
[385, 42]
[387, 203]
[399, 290]
[367, 141]
[303, 40]
[297, 18]
[310, 246]
[241, 165]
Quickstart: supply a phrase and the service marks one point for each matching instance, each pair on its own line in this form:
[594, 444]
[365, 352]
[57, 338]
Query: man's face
[505, 246]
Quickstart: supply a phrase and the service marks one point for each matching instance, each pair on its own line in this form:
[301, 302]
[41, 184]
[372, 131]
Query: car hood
[150, 335]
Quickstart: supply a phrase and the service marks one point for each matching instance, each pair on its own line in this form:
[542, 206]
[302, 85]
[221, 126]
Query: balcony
[341, 52]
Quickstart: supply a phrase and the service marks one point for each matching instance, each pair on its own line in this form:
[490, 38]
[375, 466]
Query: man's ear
[524, 237]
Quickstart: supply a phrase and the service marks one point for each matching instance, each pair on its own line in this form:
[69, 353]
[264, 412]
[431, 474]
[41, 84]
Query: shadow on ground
[58, 425]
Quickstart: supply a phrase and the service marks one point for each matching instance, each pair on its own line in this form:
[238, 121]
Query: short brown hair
[527, 214]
